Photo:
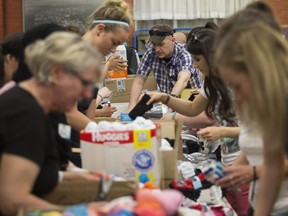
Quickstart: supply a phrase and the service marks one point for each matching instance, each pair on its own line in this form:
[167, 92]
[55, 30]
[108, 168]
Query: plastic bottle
[122, 53]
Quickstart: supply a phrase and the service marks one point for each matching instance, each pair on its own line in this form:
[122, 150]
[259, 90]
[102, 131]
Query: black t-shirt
[63, 145]
[26, 131]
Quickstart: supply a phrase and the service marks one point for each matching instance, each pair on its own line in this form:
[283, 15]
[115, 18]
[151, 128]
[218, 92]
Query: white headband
[112, 22]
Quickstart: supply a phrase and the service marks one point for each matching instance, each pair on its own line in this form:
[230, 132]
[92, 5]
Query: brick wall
[280, 8]
[11, 15]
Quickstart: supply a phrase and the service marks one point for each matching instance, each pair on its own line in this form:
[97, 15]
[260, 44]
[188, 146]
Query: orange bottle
[120, 51]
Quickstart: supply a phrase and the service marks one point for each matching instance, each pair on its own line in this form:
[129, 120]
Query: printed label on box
[123, 153]
[143, 160]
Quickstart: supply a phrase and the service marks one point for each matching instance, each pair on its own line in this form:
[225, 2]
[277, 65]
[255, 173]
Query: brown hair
[116, 10]
[260, 52]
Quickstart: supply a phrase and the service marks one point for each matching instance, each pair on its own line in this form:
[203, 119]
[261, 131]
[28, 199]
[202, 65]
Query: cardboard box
[83, 191]
[109, 119]
[125, 153]
[121, 108]
[185, 94]
[170, 129]
[121, 88]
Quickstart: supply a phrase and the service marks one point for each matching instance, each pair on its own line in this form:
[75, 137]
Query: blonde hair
[116, 10]
[65, 49]
[261, 53]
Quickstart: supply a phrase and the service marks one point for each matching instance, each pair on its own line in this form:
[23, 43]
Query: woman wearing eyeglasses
[215, 99]
[64, 69]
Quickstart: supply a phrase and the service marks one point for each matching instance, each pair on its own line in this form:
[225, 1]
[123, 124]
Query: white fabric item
[228, 159]
[251, 144]
[186, 169]
[165, 145]
[186, 9]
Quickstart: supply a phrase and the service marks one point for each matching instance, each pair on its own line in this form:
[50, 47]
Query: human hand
[104, 92]
[157, 97]
[236, 176]
[211, 133]
[106, 111]
[116, 63]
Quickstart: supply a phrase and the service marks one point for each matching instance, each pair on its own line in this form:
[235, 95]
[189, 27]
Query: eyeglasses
[85, 83]
[160, 32]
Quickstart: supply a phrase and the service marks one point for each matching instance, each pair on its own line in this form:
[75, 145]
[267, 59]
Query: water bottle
[122, 53]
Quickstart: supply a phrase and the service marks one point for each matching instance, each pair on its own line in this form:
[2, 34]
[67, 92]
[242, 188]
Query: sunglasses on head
[160, 32]
[194, 38]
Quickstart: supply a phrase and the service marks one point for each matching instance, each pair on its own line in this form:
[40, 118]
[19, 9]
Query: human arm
[83, 175]
[182, 81]
[243, 173]
[239, 173]
[199, 121]
[91, 112]
[213, 133]
[136, 89]
[17, 176]
[182, 106]
[104, 92]
[106, 111]
[273, 168]
[76, 119]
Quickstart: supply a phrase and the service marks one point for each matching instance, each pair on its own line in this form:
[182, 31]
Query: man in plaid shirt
[170, 62]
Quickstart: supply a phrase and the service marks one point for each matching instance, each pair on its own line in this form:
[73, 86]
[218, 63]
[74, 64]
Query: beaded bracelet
[173, 115]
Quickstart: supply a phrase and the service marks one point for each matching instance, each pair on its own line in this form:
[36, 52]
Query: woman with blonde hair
[252, 60]
[258, 60]
[64, 69]
[107, 27]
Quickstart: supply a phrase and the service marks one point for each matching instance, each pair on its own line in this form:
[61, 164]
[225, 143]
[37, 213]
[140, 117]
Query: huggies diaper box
[126, 152]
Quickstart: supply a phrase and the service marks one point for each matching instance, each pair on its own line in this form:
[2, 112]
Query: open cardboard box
[109, 119]
[170, 129]
[121, 88]
[72, 192]
[83, 191]
[127, 153]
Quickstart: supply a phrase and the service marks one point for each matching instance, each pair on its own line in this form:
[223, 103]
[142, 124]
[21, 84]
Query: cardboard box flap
[121, 88]
[83, 191]
[170, 129]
